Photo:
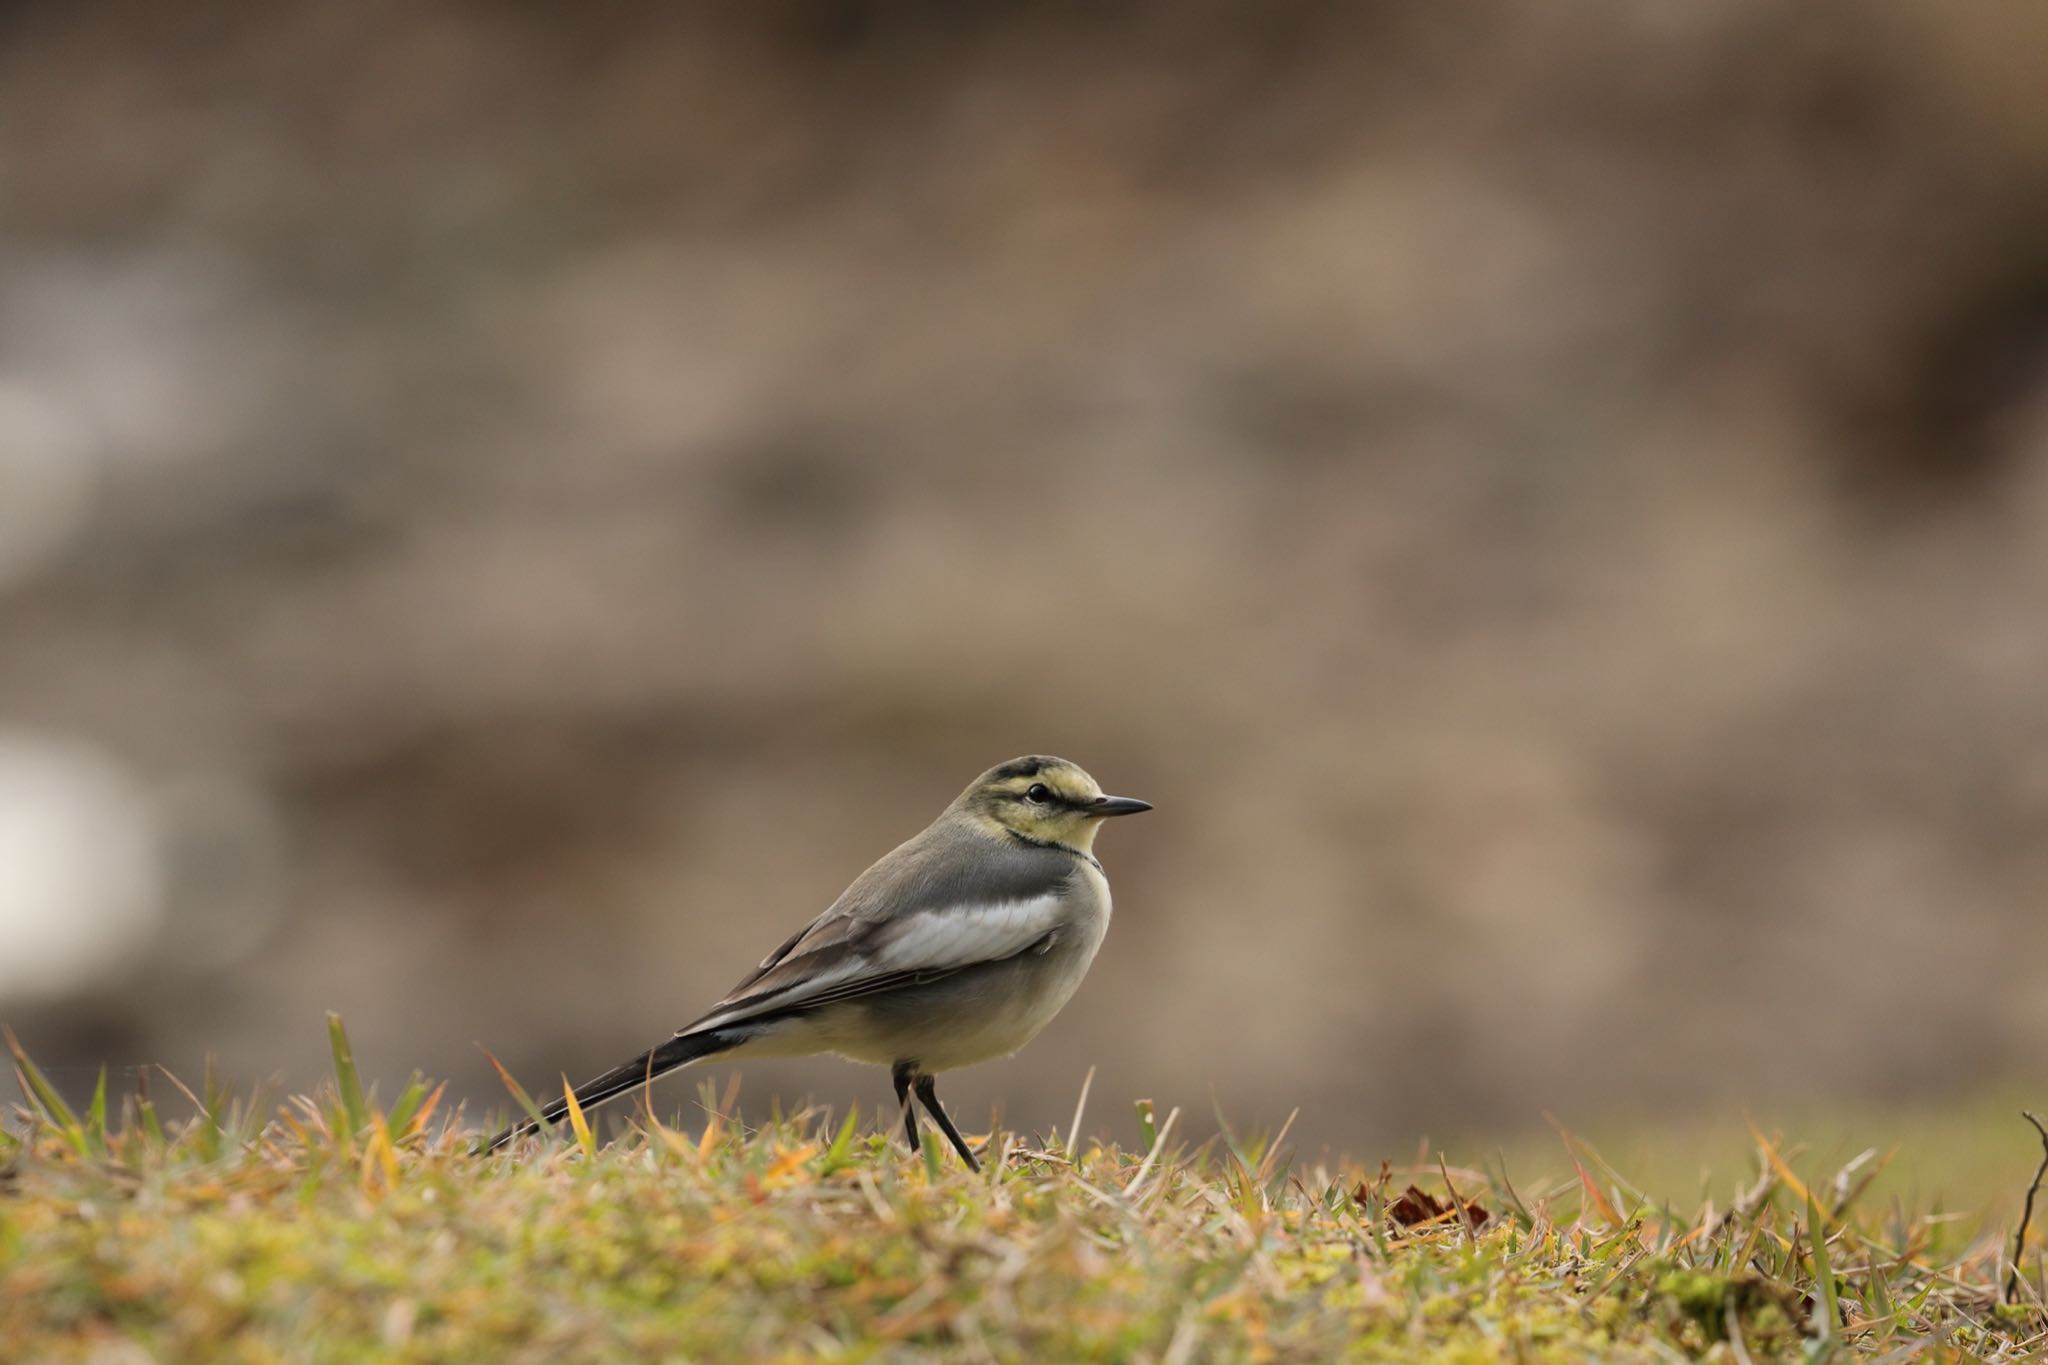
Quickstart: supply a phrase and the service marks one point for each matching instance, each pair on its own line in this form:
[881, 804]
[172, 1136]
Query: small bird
[956, 948]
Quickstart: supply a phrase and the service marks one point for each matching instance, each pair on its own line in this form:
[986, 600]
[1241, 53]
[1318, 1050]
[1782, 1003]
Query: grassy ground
[1966, 1159]
[337, 1229]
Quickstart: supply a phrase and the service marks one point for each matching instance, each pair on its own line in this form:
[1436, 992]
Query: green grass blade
[406, 1105]
[835, 1157]
[518, 1092]
[206, 1130]
[96, 1116]
[1827, 1309]
[347, 1082]
[216, 1102]
[51, 1104]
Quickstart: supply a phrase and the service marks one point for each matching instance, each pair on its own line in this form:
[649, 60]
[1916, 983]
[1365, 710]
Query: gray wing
[947, 900]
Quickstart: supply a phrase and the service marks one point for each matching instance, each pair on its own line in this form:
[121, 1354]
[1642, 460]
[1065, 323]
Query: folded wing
[842, 958]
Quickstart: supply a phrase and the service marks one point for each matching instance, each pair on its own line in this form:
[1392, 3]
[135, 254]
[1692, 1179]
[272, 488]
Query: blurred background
[503, 513]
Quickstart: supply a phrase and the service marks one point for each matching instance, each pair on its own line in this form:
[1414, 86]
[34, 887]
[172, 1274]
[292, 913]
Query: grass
[335, 1227]
[1967, 1156]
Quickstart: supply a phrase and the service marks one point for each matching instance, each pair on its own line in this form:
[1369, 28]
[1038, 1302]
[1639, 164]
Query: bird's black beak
[1117, 805]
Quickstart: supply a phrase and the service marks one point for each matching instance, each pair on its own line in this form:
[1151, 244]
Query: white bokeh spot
[81, 884]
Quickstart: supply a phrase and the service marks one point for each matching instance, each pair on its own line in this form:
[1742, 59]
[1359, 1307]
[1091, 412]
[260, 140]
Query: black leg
[928, 1091]
[902, 1076]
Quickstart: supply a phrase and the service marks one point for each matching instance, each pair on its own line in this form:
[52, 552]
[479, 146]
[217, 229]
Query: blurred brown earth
[502, 515]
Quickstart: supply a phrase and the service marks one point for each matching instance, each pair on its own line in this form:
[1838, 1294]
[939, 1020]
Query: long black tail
[676, 1052]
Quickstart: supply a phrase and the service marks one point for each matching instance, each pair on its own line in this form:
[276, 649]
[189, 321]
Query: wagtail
[956, 948]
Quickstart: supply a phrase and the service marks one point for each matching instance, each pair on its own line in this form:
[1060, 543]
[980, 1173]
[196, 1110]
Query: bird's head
[1046, 800]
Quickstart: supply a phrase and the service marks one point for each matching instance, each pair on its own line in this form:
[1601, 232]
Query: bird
[955, 948]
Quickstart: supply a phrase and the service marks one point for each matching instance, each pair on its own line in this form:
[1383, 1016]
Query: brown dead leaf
[1417, 1206]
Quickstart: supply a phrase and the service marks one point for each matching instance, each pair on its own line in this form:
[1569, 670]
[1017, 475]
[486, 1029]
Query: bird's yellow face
[1044, 800]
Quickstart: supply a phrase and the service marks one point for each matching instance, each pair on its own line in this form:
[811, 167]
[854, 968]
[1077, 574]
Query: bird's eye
[1038, 795]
